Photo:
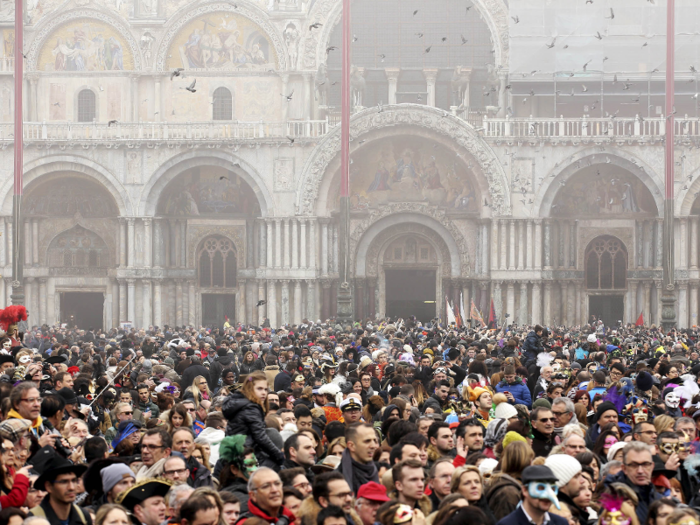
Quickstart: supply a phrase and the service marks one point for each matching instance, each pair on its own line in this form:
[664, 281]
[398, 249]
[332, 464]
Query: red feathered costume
[9, 318]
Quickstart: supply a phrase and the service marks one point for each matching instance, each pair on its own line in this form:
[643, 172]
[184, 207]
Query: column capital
[130, 220]
[659, 284]
[43, 280]
[392, 73]
[146, 280]
[131, 282]
[430, 75]
[147, 220]
[285, 282]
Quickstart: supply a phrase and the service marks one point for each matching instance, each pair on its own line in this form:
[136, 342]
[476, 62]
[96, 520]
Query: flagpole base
[345, 314]
[668, 308]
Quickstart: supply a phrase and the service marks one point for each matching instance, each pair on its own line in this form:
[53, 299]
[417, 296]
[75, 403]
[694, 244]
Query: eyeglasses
[559, 414]
[31, 400]
[151, 447]
[341, 495]
[128, 413]
[545, 419]
[179, 472]
[304, 486]
[636, 466]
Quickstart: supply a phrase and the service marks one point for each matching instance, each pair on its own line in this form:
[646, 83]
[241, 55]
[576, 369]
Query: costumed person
[616, 510]
[238, 463]
[10, 318]
[331, 408]
[672, 401]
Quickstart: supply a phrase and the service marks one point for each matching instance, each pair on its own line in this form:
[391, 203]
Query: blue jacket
[519, 390]
[518, 517]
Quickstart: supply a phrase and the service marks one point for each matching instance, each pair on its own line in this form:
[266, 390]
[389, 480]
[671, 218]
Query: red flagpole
[17, 291]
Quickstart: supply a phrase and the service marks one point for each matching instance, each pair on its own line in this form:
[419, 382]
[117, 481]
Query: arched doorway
[606, 279]
[216, 276]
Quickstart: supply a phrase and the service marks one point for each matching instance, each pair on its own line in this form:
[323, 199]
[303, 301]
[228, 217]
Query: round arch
[38, 170]
[51, 23]
[217, 262]
[329, 13]
[397, 221]
[561, 174]
[167, 172]
[324, 161]
[87, 249]
[687, 197]
[240, 7]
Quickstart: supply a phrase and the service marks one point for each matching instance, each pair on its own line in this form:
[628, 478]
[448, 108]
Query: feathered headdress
[12, 315]
[688, 390]
[231, 449]
[611, 502]
[544, 359]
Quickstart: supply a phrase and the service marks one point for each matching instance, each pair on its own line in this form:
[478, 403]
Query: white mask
[672, 400]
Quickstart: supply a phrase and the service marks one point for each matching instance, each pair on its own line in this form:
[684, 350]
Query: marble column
[312, 312]
[633, 308]
[35, 242]
[183, 243]
[278, 243]
[647, 301]
[522, 311]
[295, 246]
[147, 303]
[325, 299]
[494, 244]
[392, 75]
[313, 252]
[262, 244]
[430, 77]
[148, 242]
[547, 246]
[484, 249]
[497, 297]
[42, 301]
[683, 305]
[131, 301]
[529, 246]
[27, 242]
[694, 243]
[548, 303]
[287, 248]
[123, 316]
[192, 307]
[537, 247]
[511, 250]
[359, 298]
[659, 242]
[372, 297]
[521, 245]
[135, 98]
[131, 250]
[572, 244]
[242, 311]
[268, 227]
[122, 242]
[179, 321]
[297, 302]
[562, 318]
[571, 304]
[261, 311]
[510, 302]
[158, 244]
[272, 303]
[503, 233]
[157, 302]
[683, 263]
[285, 301]
[303, 259]
[324, 248]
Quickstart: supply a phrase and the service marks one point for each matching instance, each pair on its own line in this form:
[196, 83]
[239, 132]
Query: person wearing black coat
[247, 417]
[192, 371]
[222, 360]
[533, 346]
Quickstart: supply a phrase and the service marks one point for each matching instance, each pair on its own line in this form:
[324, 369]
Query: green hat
[542, 402]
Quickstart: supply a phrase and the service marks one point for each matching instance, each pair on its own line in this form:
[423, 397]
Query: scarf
[495, 432]
[357, 474]
[13, 414]
[154, 471]
[574, 421]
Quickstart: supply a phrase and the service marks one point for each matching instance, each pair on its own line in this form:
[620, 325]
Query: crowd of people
[382, 422]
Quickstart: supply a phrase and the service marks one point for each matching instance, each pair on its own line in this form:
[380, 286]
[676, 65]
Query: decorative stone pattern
[196, 233]
[460, 133]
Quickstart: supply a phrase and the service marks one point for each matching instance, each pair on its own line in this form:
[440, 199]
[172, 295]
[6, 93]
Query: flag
[461, 308]
[640, 319]
[493, 322]
[458, 315]
[450, 313]
[476, 315]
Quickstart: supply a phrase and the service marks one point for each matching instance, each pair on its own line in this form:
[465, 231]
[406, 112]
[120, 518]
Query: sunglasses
[546, 419]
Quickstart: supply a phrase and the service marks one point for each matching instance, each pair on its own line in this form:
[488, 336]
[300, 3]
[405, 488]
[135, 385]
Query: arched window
[217, 263]
[75, 249]
[86, 106]
[223, 104]
[606, 264]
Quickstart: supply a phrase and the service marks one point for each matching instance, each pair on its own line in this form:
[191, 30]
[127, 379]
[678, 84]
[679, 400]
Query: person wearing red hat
[369, 498]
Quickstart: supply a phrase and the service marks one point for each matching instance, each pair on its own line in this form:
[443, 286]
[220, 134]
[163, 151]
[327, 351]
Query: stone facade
[182, 205]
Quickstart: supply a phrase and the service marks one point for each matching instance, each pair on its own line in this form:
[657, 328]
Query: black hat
[6, 358]
[537, 473]
[51, 465]
[604, 407]
[140, 492]
[68, 396]
[57, 359]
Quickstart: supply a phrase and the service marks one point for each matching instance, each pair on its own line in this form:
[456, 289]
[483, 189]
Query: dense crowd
[379, 423]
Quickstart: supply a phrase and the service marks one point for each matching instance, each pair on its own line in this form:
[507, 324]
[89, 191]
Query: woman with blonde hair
[337, 447]
[245, 411]
[198, 391]
[469, 482]
[663, 423]
[112, 514]
[505, 486]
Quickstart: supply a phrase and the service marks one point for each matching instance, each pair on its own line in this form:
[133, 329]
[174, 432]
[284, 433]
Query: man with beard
[542, 430]
[570, 481]
[470, 439]
[441, 442]
[439, 398]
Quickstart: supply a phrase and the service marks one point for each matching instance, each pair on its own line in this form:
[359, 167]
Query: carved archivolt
[328, 13]
[246, 10]
[434, 213]
[55, 21]
[390, 234]
[434, 120]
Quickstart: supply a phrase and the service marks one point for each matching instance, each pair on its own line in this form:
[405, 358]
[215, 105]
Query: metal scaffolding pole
[668, 296]
[17, 236]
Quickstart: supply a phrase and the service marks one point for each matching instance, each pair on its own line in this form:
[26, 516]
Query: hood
[235, 403]
[226, 360]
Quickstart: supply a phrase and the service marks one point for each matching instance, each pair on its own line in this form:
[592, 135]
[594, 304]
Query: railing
[191, 131]
[587, 127]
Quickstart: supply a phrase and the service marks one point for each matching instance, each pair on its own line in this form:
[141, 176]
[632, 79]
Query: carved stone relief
[459, 133]
[196, 232]
[284, 174]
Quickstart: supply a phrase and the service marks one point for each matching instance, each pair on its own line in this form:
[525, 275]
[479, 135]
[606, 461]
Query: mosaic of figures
[85, 45]
[411, 169]
[8, 40]
[66, 197]
[221, 40]
[209, 190]
[603, 190]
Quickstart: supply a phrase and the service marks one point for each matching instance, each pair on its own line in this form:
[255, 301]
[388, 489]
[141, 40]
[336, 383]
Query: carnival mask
[616, 517]
[685, 520]
[250, 465]
[610, 441]
[670, 448]
[672, 400]
[544, 490]
[7, 345]
[404, 514]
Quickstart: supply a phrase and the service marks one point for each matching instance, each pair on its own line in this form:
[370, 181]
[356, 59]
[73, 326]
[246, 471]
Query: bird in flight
[612, 14]
[109, 124]
[261, 303]
[516, 19]
[191, 88]
[176, 73]
[598, 35]
[315, 25]
[288, 97]
[415, 12]
[330, 48]
[464, 40]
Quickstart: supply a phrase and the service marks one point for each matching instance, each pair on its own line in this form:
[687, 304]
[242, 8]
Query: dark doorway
[609, 308]
[216, 307]
[83, 309]
[407, 292]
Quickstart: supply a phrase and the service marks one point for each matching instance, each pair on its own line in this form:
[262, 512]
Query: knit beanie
[565, 467]
[542, 402]
[505, 411]
[644, 381]
[615, 449]
[512, 437]
[604, 407]
[113, 474]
